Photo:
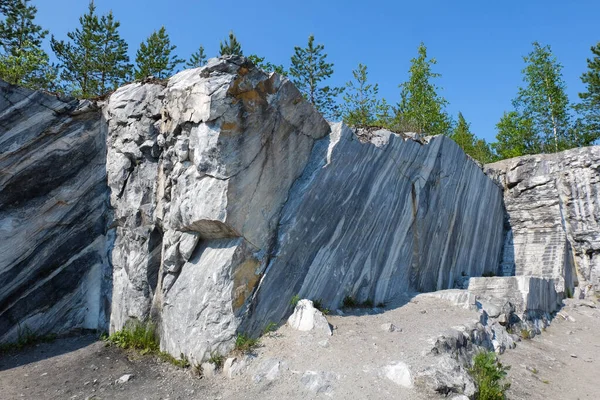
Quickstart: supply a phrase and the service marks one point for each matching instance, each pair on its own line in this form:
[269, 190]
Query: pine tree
[543, 100]
[22, 60]
[78, 57]
[197, 59]
[361, 107]
[113, 67]
[477, 148]
[516, 136]
[231, 47]
[154, 57]
[462, 135]
[309, 68]
[588, 125]
[267, 66]
[420, 105]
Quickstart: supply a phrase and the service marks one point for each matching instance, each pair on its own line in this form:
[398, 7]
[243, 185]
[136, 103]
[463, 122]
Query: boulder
[399, 373]
[307, 318]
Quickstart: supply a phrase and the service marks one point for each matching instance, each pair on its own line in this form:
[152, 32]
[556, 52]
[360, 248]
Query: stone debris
[125, 378]
[307, 318]
[400, 374]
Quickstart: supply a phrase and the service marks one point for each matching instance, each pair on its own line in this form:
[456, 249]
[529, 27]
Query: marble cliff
[206, 202]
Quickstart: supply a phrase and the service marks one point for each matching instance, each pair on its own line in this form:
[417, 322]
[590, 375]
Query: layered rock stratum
[205, 203]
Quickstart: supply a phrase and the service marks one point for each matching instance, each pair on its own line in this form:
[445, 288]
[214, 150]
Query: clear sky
[478, 44]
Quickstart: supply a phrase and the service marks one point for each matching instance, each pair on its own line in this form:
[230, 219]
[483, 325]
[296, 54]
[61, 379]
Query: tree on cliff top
[95, 59]
[267, 66]
[589, 108]
[309, 68]
[543, 99]
[22, 60]
[361, 107]
[516, 136]
[473, 146]
[154, 57]
[197, 59]
[420, 106]
[231, 46]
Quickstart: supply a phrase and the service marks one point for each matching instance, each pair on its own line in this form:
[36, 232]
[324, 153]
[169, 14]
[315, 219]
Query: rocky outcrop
[53, 215]
[378, 218]
[199, 170]
[552, 211]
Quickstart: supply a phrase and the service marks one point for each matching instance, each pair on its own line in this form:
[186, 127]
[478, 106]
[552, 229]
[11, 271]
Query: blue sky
[478, 44]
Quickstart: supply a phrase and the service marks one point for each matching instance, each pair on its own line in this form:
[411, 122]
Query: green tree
[309, 68]
[516, 136]
[197, 59]
[231, 46]
[154, 57]
[420, 106]
[267, 66]
[112, 66]
[78, 58]
[361, 107]
[22, 60]
[588, 125]
[543, 100]
[477, 148]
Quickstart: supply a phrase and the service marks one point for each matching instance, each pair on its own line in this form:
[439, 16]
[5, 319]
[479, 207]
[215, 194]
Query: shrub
[525, 334]
[245, 344]
[351, 302]
[319, 306]
[488, 373]
[216, 359]
[488, 274]
[137, 335]
[295, 299]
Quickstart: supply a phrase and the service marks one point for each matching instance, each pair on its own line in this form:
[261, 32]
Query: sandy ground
[350, 364]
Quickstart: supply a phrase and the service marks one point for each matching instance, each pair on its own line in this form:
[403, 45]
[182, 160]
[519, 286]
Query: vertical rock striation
[199, 170]
[53, 213]
[381, 217]
[552, 208]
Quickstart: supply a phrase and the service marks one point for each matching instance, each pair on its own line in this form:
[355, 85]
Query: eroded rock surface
[53, 215]
[553, 211]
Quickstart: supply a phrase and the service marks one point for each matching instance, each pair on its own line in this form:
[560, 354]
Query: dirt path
[350, 364]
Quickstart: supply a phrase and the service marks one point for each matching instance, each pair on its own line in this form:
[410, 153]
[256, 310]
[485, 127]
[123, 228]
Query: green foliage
[476, 148]
[155, 56]
[197, 59]
[516, 136]
[318, 304]
[361, 107]
[245, 344]
[488, 374]
[488, 274]
[541, 119]
[294, 300]
[94, 61]
[588, 125]
[525, 334]
[569, 292]
[22, 60]
[137, 335]
[309, 69]
[420, 106]
[216, 359]
[231, 46]
[266, 65]
[181, 362]
[351, 302]
[25, 338]
[271, 327]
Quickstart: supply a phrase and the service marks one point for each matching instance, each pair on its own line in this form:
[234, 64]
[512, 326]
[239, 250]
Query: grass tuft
[294, 300]
[525, 334]
[351, 302]
[216, 359]
[138, 336]
[318, 304]
[488, 374]
[271, 327]
[245, 344]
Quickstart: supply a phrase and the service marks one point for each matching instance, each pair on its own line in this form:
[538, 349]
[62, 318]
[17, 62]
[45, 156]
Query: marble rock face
[53, 214]
[553, 211]
[199, 170]
[377, 218]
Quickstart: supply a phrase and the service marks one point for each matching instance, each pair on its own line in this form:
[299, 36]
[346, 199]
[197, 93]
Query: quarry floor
[562, 363]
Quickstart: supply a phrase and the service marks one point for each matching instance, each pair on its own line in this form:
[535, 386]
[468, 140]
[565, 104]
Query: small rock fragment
[124, 378]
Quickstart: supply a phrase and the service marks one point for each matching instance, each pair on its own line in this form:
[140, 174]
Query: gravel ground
[350, 364]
